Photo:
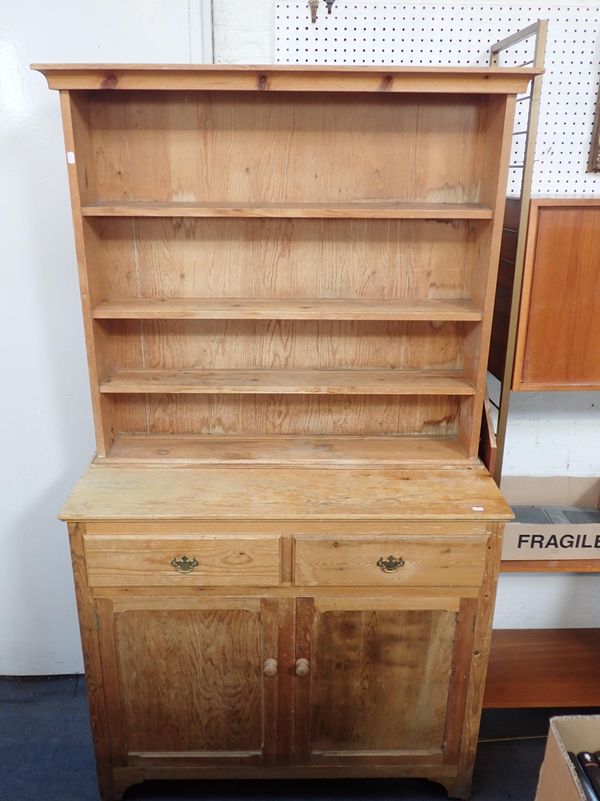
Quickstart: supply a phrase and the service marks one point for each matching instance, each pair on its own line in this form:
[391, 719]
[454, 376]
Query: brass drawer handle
[391, 564]
[184, 564]
[270, 667]
[302, 667]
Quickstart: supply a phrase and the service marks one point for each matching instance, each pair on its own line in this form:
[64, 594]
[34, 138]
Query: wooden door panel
[558, 339]
[379, 680]
[191, 682]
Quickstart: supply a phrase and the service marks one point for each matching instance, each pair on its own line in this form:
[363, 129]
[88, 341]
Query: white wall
[46, 430]
[45, 419]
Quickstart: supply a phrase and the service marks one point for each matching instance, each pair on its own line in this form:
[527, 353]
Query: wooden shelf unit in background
[543, 668]
[558, 334]
[287, 279]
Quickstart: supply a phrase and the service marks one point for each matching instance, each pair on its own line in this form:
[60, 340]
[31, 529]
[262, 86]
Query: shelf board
[376, 209]
[312, 451]
[285, 309]
[289, 382]
[550, 566]
[543, 668]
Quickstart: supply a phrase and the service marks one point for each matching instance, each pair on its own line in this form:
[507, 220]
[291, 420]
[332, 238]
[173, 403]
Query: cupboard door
[190, 681]
[381, 681]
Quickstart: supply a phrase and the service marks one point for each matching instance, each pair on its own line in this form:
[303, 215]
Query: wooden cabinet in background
[286, 548]
[558, 335]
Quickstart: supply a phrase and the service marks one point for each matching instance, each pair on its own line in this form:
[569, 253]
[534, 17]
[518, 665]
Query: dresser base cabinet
[342, 651]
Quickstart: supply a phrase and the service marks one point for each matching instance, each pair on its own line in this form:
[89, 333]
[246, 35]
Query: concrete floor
[46, 755]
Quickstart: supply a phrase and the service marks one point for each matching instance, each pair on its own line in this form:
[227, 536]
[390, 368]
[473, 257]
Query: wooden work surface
[161, 493]
[284, 78]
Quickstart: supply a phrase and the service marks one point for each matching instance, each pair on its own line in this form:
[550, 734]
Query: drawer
[406, 561]
[158, 560]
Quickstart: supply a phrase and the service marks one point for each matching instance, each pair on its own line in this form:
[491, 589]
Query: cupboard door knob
[270, 667]
[391, 564]
[302, 667]
[184, 564]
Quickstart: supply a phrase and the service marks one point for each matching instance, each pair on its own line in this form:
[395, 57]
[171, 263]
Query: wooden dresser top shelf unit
[239, 281]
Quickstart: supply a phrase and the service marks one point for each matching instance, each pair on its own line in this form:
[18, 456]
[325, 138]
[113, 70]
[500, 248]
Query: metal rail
[539, 30]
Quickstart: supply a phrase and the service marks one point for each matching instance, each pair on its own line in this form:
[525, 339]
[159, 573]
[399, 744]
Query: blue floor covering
[46, 755]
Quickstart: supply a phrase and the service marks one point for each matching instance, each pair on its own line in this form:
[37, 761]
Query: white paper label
[70, 157]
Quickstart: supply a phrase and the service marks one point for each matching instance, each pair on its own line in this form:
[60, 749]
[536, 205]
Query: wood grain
[482, 635]
[296, 382]
[284, 309]
[289, 415]
[558, 338]
[186, 345]
[145, 560]
[285, 78]
[301, 259]
[254, 140]
[550, 566]
[88, 628]
[77, 135]
[428, 561]
[192, 680]
[277, 449]
[378, 210]
[379, 682]
[161, 493]
[543, 668]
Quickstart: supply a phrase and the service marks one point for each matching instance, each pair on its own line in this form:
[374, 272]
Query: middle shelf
[286, 309]
[363, 209]
[289, 382]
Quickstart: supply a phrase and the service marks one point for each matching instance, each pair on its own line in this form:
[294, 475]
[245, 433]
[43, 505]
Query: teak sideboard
[286, 550]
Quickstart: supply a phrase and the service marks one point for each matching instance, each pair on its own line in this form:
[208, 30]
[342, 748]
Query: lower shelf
[277, 450]
[543, 668]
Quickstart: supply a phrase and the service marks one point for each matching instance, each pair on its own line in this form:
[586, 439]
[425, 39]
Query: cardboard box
[550, 532]
[558, 780]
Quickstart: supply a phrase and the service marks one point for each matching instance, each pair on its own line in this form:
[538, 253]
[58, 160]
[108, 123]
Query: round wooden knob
[302, 667]
[270, 667]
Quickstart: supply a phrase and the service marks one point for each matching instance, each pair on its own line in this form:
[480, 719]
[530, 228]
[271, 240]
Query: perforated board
[439, 33]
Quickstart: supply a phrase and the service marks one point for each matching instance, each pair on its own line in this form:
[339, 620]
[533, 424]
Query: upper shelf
[383, 209]
[286, 309]
[480, 80]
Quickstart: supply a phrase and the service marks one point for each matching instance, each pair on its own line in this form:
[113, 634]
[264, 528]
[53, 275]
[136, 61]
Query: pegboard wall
[383, 32]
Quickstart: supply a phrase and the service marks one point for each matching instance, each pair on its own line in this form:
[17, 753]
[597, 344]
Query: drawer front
[157, 560]
[406, 561]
